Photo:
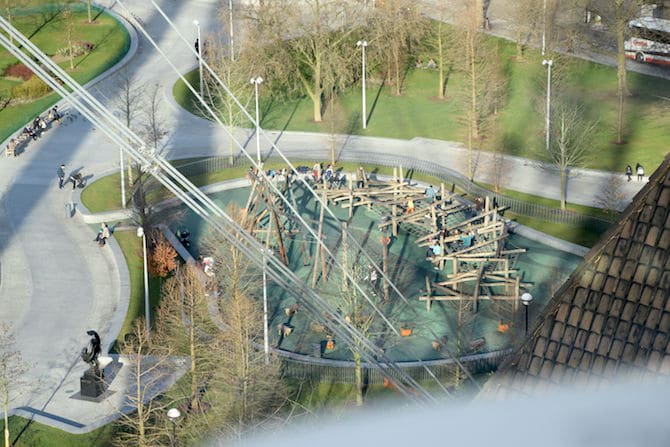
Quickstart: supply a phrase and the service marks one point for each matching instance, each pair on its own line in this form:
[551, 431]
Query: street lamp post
[363, 44]
[197, 25]
[147, 317]
[173, 414]
[257, 81]
[232, 45]
[544, 25]
[526, 299]
[548, 63]
[266, 341]
[123, 177]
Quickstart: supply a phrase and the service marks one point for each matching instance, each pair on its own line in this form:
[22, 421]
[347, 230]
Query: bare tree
[154, 129]
[183, 322]
[571, 133]
[235, 73]
[611, 196]
[147, 366]
[616, 14]
[441, 42]
[302, 44]
[88, 11]
[397, 26]
[8, 6]
[128, 103]
[486, 80]
[526, 15]
[12, 368]
[68, 17]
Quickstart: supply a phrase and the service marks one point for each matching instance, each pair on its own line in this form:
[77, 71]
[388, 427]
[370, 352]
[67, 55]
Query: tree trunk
[141, 441]
[9, 19]
[316, 107]
[519, 47]
[5, 403]
[88, 10]
[621, 75]
[195, 398]
[440, 92]
[564, 181]
[359, 379]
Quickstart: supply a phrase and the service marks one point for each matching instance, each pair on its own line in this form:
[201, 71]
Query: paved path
[55, 283]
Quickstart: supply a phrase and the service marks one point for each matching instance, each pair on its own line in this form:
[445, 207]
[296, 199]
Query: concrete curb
[62, 104]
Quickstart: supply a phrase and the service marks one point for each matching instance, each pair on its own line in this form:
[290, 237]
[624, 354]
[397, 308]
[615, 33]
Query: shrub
[78, 48]
[18, 71]
[30, 89]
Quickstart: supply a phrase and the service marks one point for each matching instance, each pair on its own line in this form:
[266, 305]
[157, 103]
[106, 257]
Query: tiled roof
[612, 316]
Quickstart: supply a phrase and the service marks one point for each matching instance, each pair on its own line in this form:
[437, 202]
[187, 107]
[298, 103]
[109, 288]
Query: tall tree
[398, 26]
[485, 77]
[235, 72]
[616, 14]
[147, 368]
[127, 94]
[571, 133]
[183, 323]
[88, 11]
[302, 44]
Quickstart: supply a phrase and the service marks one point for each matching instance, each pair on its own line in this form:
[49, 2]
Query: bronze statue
[90, 353]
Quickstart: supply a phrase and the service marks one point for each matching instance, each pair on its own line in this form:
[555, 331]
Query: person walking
[640, 172]
[61, 175]
[629, 172]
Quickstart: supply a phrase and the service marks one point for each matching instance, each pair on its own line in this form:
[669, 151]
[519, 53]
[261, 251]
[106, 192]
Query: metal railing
[337, 371]
[414, 166]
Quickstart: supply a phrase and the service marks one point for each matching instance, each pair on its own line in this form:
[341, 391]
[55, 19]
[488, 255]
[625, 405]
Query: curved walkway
[55, 283]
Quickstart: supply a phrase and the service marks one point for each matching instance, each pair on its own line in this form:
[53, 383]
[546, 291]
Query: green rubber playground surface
[544, 267]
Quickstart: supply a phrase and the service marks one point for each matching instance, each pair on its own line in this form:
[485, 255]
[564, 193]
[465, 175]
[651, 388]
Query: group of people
[103, 234]
[332, 178]
[639, 170]
[33, 130]
[76, 178]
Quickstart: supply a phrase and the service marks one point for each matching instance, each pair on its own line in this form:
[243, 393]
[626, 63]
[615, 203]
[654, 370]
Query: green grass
[26, 433]
[586, 236]
[109, 37]
[518, 126]
[551, 203]
[131, 246]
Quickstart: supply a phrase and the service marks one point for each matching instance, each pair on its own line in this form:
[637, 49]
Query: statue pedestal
[92, 385]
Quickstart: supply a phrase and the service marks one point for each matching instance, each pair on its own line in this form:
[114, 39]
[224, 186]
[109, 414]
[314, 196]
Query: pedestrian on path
[629, 172]
[61, 175]
[640, 172]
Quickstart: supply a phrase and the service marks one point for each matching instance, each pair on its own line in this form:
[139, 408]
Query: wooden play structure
[469, 239]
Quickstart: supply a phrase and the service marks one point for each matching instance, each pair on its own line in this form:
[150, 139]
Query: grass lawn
[46, 28]
[131, 246]
[518, 126]
[26, 433]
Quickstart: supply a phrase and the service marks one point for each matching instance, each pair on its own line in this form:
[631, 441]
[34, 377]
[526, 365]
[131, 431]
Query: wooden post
[487, 205]
[351, 196]
[385, 268]
[280, 240]
[318, 251]
[394, 220]
[345, 282]
[428, 294]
